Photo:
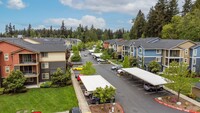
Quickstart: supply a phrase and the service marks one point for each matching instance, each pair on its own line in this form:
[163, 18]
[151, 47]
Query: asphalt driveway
[130, 92]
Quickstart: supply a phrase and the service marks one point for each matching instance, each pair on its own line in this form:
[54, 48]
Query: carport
[146, 76]
[91, 82]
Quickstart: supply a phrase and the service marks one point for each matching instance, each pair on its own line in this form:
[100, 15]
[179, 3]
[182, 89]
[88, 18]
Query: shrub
[23, 90]
[75, 58]
[46, 84]
[1, 91]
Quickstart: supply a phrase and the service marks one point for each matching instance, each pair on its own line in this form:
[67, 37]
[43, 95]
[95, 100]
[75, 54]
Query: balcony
[30, 74]
[27, 59]
[173, 53]
[29, 71]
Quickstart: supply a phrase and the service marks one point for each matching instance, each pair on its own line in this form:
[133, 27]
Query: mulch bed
[185, 105]
[108, 107]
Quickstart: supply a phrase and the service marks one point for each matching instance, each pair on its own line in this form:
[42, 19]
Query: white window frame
[186, 51]
[140, 59]
[45, 76]
[44, 54]
[7, 69]
[194, 60]
[193, 69]
[44, 65]
[158, 59]
[195, 52]
[140, 50]
[158, 51]
[185, 60]
[6, 57]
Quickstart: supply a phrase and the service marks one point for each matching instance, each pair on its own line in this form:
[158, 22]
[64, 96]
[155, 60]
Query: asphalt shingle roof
[45, 45]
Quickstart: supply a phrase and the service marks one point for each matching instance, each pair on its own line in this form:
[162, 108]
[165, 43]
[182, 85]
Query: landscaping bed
[108, 108]
[171, 101]
[46, 100]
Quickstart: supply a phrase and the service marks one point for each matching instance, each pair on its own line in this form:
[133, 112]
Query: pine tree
[172, 10]
[187, 7]
[139, 26]
[63, 29]
[29, 31]
[151, 19]
[196, 5]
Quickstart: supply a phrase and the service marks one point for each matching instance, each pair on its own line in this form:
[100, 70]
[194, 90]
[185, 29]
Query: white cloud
[86, 20]
[125, 6]
[1, 2]
[16, 4]
[122, 6]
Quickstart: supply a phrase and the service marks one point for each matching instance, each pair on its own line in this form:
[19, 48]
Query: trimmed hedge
[1, 91]
[46, 84]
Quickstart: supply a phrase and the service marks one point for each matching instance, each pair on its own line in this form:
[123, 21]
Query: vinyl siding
[151, 53]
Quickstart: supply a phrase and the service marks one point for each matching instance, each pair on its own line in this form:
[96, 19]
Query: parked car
[79, 78]
[116, 67]
[120, 71]
[96, 100]
[79, 68]
[100, 60]
[85, 55]
[75, 110]
[149, 87]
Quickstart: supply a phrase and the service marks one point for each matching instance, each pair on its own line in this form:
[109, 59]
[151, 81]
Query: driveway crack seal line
[181, 109]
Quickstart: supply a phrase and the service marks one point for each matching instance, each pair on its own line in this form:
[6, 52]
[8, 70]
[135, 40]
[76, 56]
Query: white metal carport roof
[97, 55]
[147, 76]
[91, 82]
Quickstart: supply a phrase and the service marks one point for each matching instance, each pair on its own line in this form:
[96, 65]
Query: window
[186, 51]
[7, 69]
[195, 52]
[140, 59]
[158, 51]
[158, 59]
[6, 57]
[29, 80]
[140, 50]
[45, 75]
[44, 54]
[193, 69]
[185, 60]
[45, 65]
[132, 49]
[194, 61]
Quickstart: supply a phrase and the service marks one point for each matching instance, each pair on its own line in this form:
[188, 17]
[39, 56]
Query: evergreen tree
[63, 29]
[172, 10]
[151, 19]
[187, 7]
[196, 5]
[29, 30]
[138, 27]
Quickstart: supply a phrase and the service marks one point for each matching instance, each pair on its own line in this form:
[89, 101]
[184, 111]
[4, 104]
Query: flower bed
[171, 101]
[108, 108]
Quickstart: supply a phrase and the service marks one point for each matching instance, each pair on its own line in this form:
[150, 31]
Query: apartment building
[37, 58]
[163, 51]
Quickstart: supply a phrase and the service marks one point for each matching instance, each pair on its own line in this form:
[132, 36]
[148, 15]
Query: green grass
[47, 100]
[187, 89]
[116, 62]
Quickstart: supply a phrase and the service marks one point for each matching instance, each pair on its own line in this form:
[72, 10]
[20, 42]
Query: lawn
[116, 62]
[47, 100]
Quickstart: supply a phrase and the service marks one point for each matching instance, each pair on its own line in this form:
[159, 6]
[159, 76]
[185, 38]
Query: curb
[181, 109]
[121, 107]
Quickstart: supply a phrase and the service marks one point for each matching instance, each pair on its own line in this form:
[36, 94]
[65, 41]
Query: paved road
[131, 94]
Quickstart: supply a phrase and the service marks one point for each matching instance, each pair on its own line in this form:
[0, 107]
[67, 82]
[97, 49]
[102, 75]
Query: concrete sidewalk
[83, 105]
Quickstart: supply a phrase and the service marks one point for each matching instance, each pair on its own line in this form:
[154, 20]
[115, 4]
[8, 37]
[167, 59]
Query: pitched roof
[157, 43]
[44, 45]
[195, 46]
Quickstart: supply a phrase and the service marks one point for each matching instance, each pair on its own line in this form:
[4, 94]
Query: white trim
[153, 56]
[158, 59]
[45, 76]
[194, 57]
[193, 69]
[173, 57]
[194, 63]
[7, 68]
[194, 52]
[46, 65]
[160, 51]
[6, 57]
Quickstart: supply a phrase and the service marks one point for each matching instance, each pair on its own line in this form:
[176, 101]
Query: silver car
[149, 87]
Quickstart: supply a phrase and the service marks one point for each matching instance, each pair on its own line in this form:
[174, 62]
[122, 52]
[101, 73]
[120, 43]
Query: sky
[113, 14]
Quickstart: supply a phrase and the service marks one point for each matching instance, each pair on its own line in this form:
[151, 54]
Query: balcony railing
[27, 61]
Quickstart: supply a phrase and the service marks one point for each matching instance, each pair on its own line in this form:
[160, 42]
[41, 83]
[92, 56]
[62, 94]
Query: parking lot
[130, 92]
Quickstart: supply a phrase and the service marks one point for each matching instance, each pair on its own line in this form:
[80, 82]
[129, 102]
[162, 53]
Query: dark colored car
[75, 110]
[96, 100]
[149, 87]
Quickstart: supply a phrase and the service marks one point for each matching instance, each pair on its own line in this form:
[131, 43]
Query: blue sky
[113, 14]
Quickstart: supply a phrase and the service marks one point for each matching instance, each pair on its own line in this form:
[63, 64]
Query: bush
[23, 90]
[76, 58]
[46, 84]
[191, 95]
[1, 91]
